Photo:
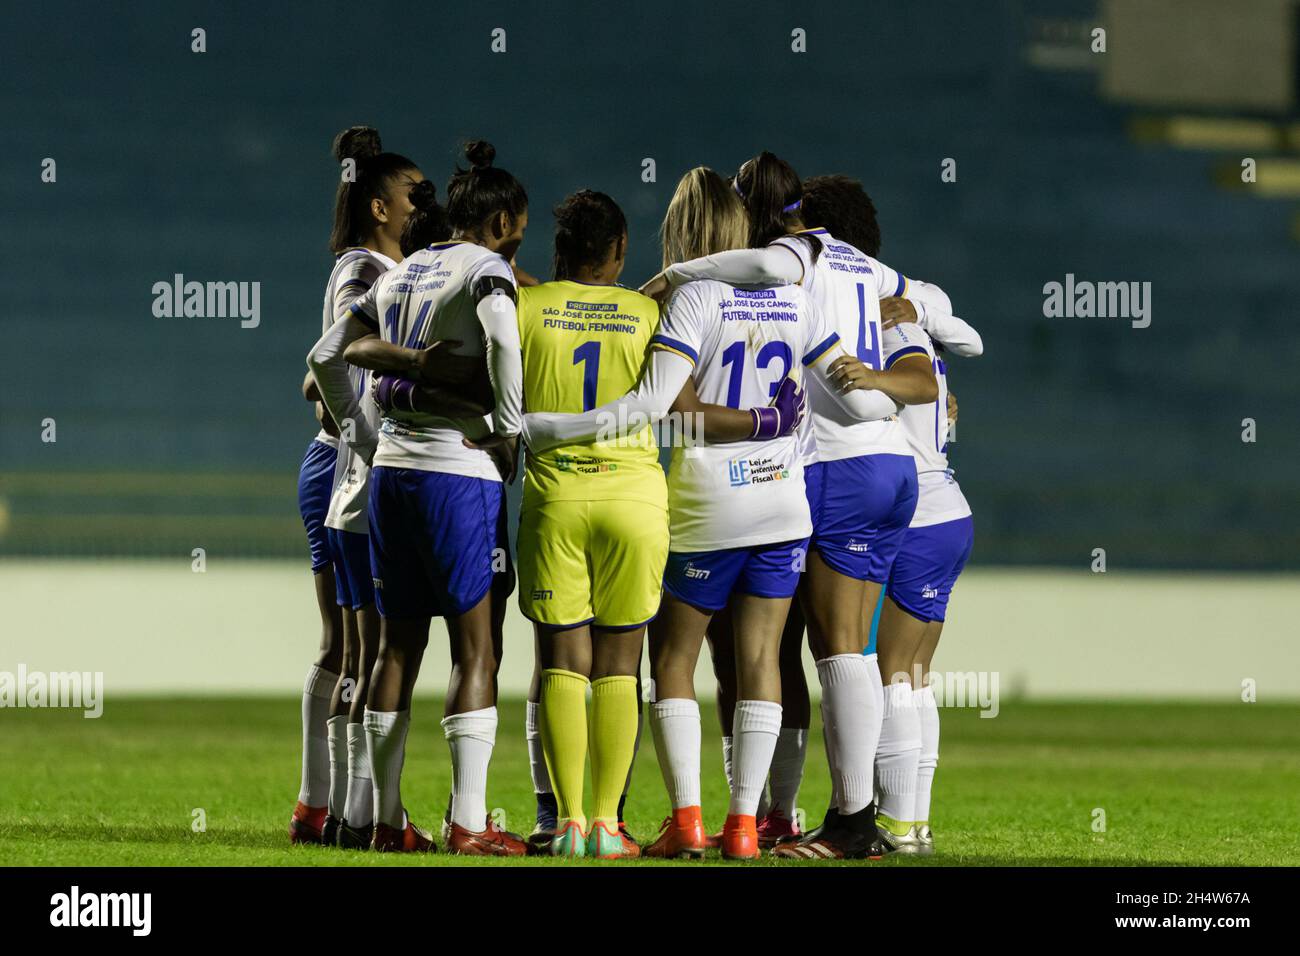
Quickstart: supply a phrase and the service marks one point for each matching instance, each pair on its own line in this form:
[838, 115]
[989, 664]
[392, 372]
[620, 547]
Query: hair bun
[357, 142]
[424, 195]
[480, 153]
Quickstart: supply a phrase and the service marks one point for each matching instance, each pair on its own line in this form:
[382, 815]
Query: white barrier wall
[250, 627]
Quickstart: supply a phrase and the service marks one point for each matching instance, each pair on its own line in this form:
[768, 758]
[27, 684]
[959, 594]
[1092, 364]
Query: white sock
[928, 711]
[847, 702]
[787, 770]
[336, 731]
[755, 730]
[728, 761]
[359, 808]
[675, 724]
[316, 693]
[898, 754]
[471, 736]
[878, 691]
[386, 741]
[828, 741]
[536, 757]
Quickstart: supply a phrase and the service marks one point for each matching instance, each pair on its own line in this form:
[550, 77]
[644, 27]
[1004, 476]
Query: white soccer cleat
[909, 844]
[925, 837]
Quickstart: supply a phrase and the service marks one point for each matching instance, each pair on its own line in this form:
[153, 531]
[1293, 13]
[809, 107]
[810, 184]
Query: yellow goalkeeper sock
[613, 741]
[563, 711]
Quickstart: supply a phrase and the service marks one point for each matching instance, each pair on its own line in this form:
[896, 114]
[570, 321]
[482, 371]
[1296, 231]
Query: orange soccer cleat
[740, 837]
[412, 839]
[682, 835]
[490, 841]
[306, 824]
[631, 848]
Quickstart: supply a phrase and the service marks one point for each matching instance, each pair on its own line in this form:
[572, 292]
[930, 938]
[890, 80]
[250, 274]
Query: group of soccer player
[800, 384]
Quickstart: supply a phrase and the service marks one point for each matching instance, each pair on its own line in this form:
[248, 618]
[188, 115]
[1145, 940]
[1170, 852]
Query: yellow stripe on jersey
[584, 345]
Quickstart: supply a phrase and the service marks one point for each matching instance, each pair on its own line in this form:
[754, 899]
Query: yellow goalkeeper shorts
[598, 562]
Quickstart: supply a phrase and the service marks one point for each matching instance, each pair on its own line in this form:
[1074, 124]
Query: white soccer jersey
[427, 298]
[939, 497]
[742, 342]
[847, 285]
[355, 271]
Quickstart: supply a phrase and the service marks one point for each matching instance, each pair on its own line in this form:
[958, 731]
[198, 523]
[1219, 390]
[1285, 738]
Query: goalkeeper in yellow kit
[593, 531]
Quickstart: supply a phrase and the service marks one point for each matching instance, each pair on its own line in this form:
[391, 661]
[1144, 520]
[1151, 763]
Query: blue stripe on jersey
[902, 284]
[361, 282]
[818, 351]
[902, 353]
[677, 346]
[415, 339]
[361, 316]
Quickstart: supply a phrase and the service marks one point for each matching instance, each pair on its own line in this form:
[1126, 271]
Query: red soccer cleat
[413, 839]
[490, 841]
[682, 835]
[740, 837]
[774, 828]
[306, 824]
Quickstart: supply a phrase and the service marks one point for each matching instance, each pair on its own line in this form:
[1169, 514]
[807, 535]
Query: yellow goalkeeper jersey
[584, 345]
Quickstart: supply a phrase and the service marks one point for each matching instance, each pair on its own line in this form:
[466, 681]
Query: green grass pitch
[1179, 784]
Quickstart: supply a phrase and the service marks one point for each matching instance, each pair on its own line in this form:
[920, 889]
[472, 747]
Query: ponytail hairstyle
[773, 195]
[428, 224]
[483, 190]
[704, 216]
[587, 223]
[842, 206]
[372, 177]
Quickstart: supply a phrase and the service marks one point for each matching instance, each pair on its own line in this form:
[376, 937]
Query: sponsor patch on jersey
[755, 471]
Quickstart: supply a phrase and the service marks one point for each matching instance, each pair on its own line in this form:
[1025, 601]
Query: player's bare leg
[566, 656]
[337, 727]
[358, 812]
[539, 841]
[387, 720]
[898, 642]
[308, 820]
[758, 625]
[777, 811]
[928, 712]
[836, 609]
[470, 725]
[615, 705]
[676, 636]
[722, 652]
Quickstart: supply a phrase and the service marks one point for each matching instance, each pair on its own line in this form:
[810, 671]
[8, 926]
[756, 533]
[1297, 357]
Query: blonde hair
[705, 216]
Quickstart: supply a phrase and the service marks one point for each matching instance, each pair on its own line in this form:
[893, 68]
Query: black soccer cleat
[355, 838]
[841, 837]
[329, 833]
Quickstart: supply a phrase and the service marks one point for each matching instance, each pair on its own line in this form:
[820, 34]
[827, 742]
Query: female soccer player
[841, 204]
[738, 513]
[862, 480]
[436, 506]
[370, 209]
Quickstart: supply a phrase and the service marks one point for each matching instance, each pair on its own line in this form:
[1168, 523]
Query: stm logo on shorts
[378, 583]
[542, 595]
[859, 548]
[698, 574]
[929, 593]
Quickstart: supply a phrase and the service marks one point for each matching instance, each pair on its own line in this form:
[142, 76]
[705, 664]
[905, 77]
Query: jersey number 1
[588, 355]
